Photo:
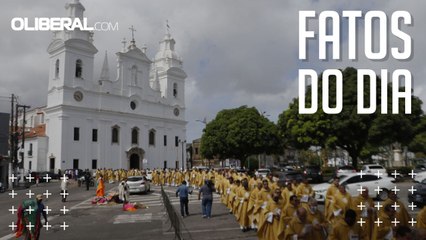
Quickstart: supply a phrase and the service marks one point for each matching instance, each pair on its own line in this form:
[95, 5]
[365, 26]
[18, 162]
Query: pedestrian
[206, 204]
[64, 189]
[100, 190]
[29, 218]
[87, 179]
[123, 191]
[183, 192]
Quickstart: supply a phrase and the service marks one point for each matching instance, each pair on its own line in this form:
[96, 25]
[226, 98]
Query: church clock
[78, 96]
[176, 112]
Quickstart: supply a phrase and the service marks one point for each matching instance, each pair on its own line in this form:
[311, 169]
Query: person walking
[183, 192]
[29, 218]
[123, 191]
[100, 190]
[64, 189]
[87, 179]
[206, 204]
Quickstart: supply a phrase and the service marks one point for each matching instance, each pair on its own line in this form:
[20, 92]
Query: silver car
[138, 184]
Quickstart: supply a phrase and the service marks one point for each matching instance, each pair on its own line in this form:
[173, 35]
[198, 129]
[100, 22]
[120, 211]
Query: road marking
[207, 230]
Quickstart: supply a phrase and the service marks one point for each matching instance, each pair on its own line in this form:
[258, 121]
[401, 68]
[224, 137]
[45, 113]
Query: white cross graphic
[47, 177]
[395, 222]
[64, 226]
[64, 209]
[13, 210]
[13, 193]
[378, 205]
[395, 173]
[378, 173]
[29, 178]
[378, 190]
[361, 206]
[412, 206]
[361, 221]
[412, 190]
[30, 226]
[13, 226]
[395, 206]
[360, 174]
[13, 178]
[29, 194]
[30, 209]
[47, 226]
[395, 190]
[412, 173]
[47, 209]
[378, 222]
[64, 178]
[361, 189]
[47, 194]
[64, 193]
[412, 222]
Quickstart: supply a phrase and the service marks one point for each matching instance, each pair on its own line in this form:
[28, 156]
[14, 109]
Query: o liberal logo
[49, 24]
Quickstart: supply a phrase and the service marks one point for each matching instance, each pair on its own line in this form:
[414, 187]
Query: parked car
[354, 181]
[138, 184]
[313, 173]
[374, 168]
[419, 196]
[285, 177]
[419, 177]
[42, 176]
[2, 188]
[342, 170]
[420, 168]
[262, 172]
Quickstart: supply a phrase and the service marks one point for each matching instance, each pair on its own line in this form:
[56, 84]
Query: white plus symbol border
[64, 225]
[64, 210]
[13, 226]
[13, 210]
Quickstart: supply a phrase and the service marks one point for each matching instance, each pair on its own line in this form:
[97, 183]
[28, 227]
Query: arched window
[152, 137]
[175, 90]
[57, 68]
[135, 135]
[115, 134]
[78, 68]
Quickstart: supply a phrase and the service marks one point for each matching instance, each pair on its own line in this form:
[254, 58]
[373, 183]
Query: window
[152, 137]
[75, 164]
[165, 140]
[114, 133]
[57, 68]
[368, 178]
[76, 134]
[30, 152]
[30, 165]
[175, 90]
[135, 133]
[196, 151]
[94, 164]
[134, 75]
[94, 135]
[353, 179]
[78, 68]
[176, 141]
[165, 164]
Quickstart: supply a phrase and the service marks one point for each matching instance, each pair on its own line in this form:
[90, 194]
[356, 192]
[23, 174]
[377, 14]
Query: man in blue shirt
[183, 192]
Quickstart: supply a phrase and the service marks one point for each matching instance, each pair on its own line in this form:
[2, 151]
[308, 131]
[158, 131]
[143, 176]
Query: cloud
[235, 52]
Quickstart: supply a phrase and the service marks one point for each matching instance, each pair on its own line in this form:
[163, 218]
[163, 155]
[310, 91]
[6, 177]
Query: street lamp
[183, 142]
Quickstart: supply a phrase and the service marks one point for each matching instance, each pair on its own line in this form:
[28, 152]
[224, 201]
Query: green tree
[238, 133]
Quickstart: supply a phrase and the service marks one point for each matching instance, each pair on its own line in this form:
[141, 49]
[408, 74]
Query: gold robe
[270, 228]
[367, 216]
[421, 218]
[384, 229]
[295, 226]
[401, 212]
[342, 231]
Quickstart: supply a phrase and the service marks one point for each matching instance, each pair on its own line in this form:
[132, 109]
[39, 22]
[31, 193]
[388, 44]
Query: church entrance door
[134, 161]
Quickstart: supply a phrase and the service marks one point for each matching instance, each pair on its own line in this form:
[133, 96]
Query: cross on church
[133, 32]
[361, 221]
[124, 44]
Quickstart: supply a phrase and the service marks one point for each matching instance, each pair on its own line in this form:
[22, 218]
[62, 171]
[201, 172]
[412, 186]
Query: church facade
[135, 119]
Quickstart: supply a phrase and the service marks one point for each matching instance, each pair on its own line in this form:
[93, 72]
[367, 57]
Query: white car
[374, 168]
[343, 170]
[419, 177]
[138, 184]
[354, 181]
[262, 172]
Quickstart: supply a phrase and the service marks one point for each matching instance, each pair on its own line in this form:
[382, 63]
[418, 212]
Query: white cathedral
[133, 120]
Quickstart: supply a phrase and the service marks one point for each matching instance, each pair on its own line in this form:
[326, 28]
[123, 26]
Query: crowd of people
[290, 211]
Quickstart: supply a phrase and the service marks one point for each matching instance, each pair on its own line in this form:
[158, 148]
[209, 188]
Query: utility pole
[21, 165]
[11, 142]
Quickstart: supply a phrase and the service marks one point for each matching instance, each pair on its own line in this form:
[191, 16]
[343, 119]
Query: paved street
[88, 221]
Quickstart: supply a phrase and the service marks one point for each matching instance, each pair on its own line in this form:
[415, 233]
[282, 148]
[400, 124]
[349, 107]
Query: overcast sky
[239, 52]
